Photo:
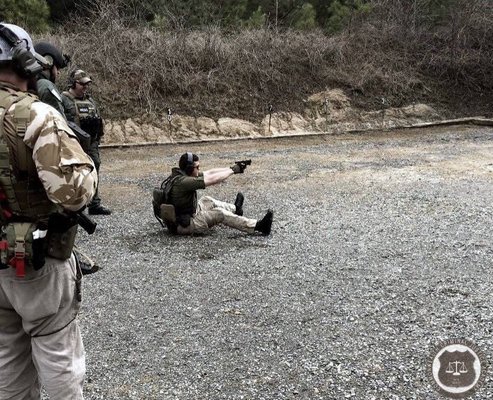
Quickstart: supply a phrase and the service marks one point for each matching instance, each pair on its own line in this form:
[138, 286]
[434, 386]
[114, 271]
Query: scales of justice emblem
[458, 368]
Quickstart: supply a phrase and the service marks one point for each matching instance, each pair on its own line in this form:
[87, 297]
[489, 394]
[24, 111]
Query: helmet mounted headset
[16, 47]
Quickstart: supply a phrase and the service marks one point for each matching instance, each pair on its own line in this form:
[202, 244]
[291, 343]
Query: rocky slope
[329, 111]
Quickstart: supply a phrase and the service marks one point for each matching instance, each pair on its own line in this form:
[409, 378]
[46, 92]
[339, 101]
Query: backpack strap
[170, 180]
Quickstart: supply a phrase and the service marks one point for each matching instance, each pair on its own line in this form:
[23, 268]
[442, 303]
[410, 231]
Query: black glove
[239, 168]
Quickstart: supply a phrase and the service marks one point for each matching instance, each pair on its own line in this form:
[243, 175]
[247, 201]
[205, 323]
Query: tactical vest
[25, 209]
[86, 115]
[23, 193]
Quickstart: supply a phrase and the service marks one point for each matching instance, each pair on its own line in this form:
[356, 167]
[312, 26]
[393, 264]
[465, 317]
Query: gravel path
[381, 248]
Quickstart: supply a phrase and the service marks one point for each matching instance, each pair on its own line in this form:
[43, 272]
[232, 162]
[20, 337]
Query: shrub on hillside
[31, 14]
[392, 51]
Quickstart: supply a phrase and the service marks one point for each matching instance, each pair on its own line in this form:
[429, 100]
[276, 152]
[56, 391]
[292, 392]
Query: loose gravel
[381, 248]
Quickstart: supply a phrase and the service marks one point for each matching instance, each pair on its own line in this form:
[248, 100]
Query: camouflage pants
[211, 212]
[40, 341]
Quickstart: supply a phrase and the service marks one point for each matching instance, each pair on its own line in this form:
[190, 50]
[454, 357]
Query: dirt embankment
[329, 111]
[387, 62]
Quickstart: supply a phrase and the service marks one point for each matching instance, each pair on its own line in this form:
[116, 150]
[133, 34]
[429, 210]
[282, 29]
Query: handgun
[86, 223]
[244, 162]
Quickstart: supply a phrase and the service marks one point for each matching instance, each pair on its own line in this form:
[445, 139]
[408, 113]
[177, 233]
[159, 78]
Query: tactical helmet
[16, 46]
[52, 54]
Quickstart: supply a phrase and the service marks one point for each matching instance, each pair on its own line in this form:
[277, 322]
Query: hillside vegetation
[396, 50]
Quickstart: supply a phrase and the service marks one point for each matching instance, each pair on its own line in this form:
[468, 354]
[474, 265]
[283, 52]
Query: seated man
[194, 216]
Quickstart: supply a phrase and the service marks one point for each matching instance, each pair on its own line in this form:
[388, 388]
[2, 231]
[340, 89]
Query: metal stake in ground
[270, 114]
[326, 108]
[383, 101]
[169, 117]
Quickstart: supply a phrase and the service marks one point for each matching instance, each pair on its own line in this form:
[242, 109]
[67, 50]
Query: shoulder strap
[6, 179]
[68, 94]
[169, 181]
[22, 114]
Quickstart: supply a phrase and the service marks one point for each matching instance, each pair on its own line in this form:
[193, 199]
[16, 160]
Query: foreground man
[192, 216]
[81, 108]
[45, 178]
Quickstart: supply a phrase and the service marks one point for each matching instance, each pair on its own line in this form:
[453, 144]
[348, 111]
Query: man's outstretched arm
[217, 175]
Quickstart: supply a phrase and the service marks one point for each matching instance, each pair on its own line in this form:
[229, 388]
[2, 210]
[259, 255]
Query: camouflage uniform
[72, 107]
[40, 341]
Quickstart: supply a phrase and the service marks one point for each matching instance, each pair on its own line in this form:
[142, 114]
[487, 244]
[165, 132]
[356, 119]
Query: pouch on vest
[60, 244]
[62, 230]
[168, 213]
[93, 126]
[22, 244]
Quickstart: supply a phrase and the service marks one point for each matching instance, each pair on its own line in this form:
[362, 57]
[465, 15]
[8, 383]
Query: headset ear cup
[25, 63]
[71, 80]
[189, 162]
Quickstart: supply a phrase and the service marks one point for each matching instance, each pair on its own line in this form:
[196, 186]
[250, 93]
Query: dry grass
[392, 53]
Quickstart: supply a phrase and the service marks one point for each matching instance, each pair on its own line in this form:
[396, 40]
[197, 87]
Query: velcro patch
[55, 93]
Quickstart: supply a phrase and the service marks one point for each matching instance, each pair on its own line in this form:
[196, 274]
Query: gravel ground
[381, 248]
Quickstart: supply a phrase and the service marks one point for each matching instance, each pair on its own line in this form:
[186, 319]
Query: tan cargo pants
[40, 341]
[211, 212]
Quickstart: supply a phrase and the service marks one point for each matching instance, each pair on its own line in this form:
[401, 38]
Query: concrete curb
[481, 121]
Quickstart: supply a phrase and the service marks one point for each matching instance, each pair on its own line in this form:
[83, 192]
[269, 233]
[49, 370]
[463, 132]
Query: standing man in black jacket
[81, 108]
